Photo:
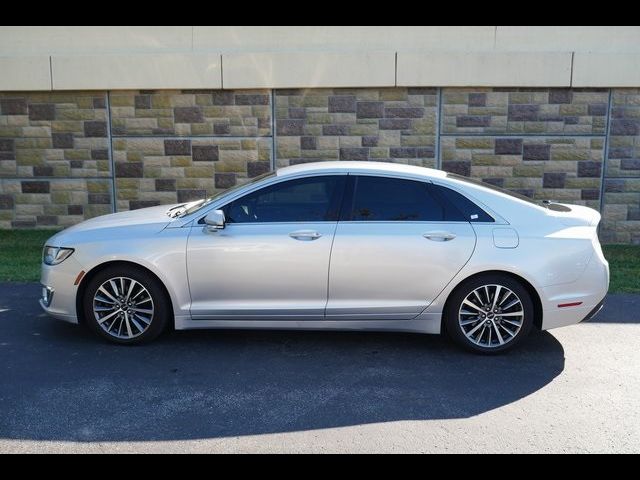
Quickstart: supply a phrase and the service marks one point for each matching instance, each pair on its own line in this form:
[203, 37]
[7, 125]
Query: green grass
[21, 252]
[624, 267]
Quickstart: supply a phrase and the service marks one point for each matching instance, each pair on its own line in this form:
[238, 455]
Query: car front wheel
[489, 314]
[126, 305]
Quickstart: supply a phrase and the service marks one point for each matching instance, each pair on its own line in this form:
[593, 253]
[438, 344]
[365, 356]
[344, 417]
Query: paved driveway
[62, 390]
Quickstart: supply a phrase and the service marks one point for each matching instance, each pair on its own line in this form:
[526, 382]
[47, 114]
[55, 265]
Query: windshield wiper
[177, 208]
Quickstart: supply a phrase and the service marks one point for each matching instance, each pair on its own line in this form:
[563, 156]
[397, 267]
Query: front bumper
[60, 279]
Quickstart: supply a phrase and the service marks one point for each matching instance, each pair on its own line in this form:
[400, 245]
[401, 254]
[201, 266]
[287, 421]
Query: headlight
[55, 255]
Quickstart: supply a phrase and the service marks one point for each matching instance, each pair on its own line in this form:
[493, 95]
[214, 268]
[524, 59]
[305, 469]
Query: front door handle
[439, 236]
[305, 235]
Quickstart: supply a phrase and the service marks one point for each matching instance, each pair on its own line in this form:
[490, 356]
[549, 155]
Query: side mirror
[215, 220]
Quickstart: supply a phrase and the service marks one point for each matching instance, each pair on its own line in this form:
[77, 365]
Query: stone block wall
[621, 206]
[68, 156]
[385, 124]
[54, 158]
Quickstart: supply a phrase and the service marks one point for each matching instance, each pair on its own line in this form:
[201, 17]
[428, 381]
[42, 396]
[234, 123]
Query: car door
[271, 260]
[394, 250]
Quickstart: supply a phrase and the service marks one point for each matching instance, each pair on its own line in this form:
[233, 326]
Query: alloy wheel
[123, 308]
[491, 316]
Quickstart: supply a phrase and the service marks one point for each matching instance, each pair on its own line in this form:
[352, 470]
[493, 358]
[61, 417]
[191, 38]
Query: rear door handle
[305, 235]
[439, 236]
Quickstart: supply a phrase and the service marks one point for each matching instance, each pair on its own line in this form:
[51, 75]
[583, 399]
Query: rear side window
[393, 199]
[460, 208]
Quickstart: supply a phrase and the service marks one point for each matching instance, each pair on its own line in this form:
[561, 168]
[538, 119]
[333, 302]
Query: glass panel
[303, 200]
[460, 208]
[394, 199]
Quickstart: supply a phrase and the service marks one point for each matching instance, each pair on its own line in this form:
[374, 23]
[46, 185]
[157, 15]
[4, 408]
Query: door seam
[475, 245]
[326, 303]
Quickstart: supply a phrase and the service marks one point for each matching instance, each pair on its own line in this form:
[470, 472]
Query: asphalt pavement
[575, 389]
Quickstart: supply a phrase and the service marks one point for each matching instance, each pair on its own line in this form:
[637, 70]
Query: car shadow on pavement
[61, 383]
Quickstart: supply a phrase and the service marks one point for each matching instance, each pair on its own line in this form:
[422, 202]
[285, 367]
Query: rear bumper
[588, 293]
[594, 311]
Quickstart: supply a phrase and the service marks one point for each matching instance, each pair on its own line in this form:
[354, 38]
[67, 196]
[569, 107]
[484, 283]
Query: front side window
[314, 199]
[394, 199]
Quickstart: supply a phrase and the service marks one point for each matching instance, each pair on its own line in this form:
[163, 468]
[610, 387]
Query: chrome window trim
[194, 218]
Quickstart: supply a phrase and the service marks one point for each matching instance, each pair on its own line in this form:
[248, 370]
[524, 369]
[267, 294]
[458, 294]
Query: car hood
[142, 216]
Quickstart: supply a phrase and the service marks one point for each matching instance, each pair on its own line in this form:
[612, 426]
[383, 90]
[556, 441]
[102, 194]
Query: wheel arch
[102, 266]
[535, 297]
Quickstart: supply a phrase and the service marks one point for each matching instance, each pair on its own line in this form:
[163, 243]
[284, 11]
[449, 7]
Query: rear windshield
[550, 204]
[495, 188]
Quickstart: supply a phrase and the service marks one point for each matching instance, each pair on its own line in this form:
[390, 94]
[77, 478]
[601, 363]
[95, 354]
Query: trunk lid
[574, 215]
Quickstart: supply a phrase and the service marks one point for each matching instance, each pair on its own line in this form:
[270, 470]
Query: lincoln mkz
[335, 246]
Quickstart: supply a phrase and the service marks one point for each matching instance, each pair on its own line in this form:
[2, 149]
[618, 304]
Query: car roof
[361, 167]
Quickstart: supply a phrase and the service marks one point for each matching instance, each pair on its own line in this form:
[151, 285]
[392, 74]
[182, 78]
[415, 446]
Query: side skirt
[425, 323]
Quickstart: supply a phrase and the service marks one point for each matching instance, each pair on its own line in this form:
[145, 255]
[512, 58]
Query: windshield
[192, 207]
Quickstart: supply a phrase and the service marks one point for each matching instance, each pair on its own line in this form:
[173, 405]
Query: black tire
[454, 330]
[162, 312]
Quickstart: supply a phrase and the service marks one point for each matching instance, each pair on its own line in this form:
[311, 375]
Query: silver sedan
[334, 245]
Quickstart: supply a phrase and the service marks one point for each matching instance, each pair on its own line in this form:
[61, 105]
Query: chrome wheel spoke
[142, 319]
[104, 309]
[475, 292]
[506, 295]
[142, 310]
[500, 339]
[469, 304]
[103, 290]
[128, 323]
[511, 334]
[131, 286]
[511, 304]
[481, 316]
[133, 320]
[107, 317]
[114, 287]
[143, 290]
[464, 323]
[105, 300]
[470, 334]
[117, 313]
[496, 294]
[511, 322]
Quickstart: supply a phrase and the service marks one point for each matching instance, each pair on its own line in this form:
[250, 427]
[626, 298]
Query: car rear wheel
[126, 305]
[489, 314]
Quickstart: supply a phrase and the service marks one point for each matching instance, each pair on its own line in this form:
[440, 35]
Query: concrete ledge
[93, 39]
[593, 38]
[484, 69]
[606, 70]
[149, 71]
[308, 70]
[25, 73]
[332, 38]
